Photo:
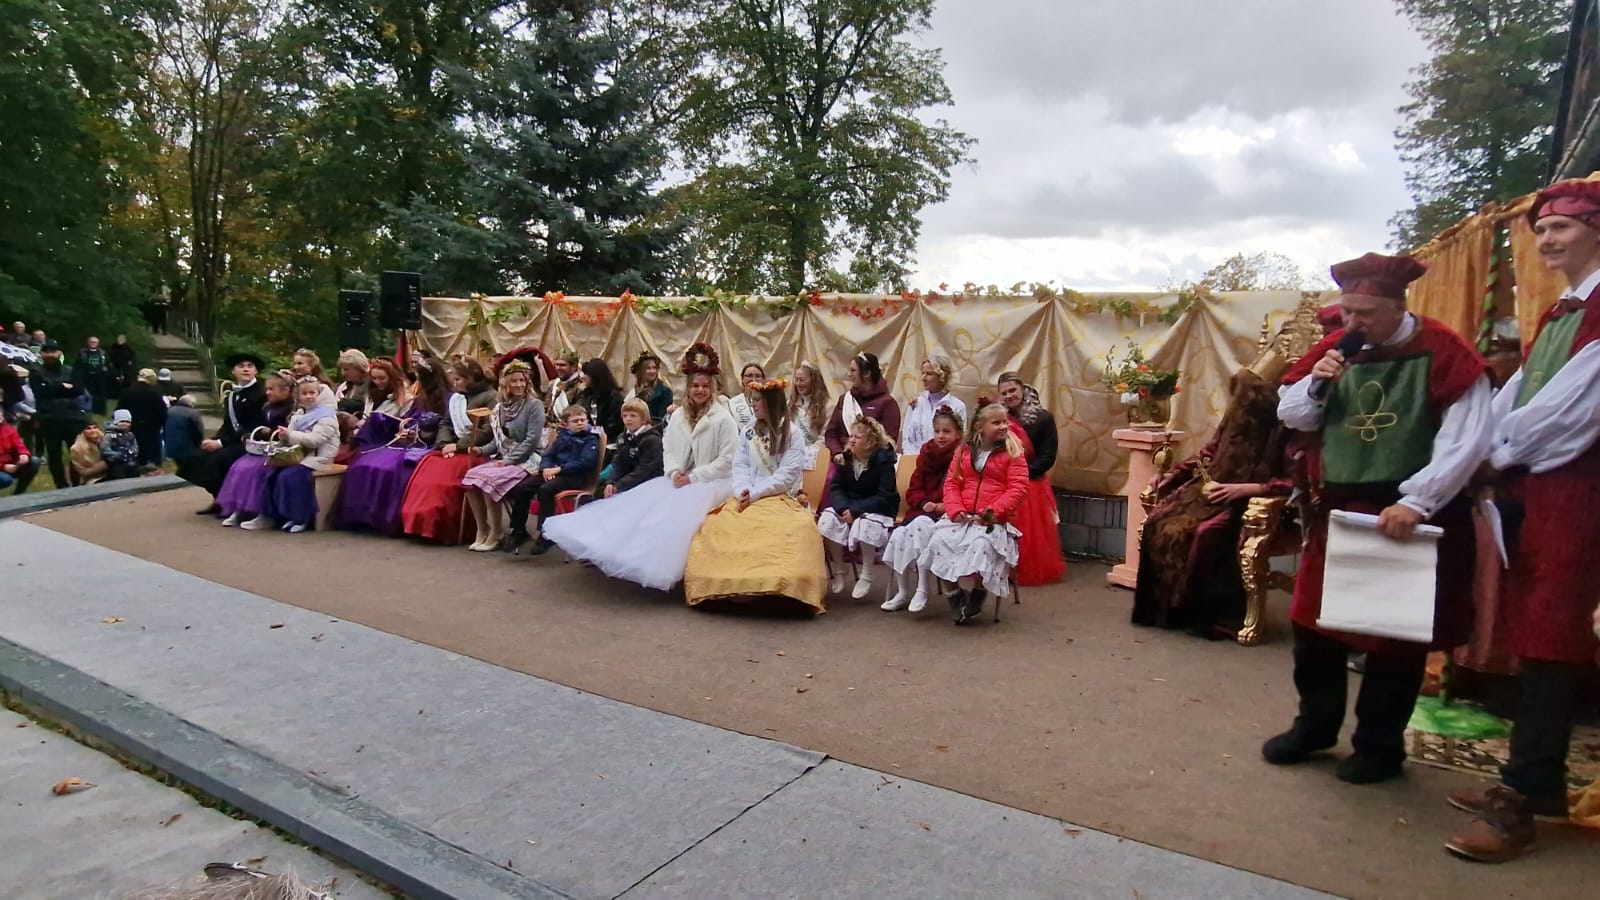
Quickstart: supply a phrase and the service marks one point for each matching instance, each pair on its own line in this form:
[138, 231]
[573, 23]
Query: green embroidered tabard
[1550, 352]
[1376, 427]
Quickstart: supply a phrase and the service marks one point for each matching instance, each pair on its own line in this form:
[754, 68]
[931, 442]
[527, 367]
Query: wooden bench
[327, 484]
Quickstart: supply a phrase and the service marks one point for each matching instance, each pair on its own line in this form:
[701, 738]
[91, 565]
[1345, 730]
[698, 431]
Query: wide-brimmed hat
[244, 357]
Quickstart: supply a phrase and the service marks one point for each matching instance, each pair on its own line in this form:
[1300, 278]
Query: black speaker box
[355, 320]
[400, 300]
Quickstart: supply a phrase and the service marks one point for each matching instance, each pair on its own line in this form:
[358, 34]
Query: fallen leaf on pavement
[255, 860]
[531, 841]
[940, 747]
[801, 690]
[111, 620]
[22, 724]
[71, 786]
[316, 637]
[279, 625]
[924, 826]
[173, 818]
[780, 652]
[808, 674]
[1072, 832]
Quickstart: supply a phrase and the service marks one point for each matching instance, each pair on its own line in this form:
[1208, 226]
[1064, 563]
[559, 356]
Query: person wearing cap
[169, 389]
[1546, 426]
[61, 415]
[241, 414]
[149, 412]
[120, 447]
[1398, 430]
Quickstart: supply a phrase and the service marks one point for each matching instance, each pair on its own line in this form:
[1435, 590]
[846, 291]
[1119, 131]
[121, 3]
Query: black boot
[957, 599]
[211, 510]
[1367, 768]
[1293, 746]
[541, 546]
[513, 541]
[972, 606]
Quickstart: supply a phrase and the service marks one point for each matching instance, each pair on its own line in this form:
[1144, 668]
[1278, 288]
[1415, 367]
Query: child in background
[566, 466]
[861, 504]
[906, 553]
[17, 465]
[120, 447]
[88, 464]
[975, 545]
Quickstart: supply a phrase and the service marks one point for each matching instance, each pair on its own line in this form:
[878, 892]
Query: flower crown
[516, 365]
[701, 359]
[946, 409]
[772, 384]
[643, 357]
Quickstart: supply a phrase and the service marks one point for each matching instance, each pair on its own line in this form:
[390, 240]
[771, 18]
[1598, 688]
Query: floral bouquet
[1135, 380]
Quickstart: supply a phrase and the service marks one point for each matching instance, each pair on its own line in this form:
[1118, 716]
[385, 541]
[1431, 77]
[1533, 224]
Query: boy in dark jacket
[568, 465]
[120, 447]
[639, 453]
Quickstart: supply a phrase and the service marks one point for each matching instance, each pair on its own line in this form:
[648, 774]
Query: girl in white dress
[698, 448]
[917, 428]
[906, 554]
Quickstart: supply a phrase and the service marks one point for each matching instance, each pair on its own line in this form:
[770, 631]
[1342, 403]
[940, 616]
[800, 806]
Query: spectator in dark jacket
[183, 433]
[639, 453]
[149, 411]
[92, 372]
[169, 389]
[61, 418]
[123, 363]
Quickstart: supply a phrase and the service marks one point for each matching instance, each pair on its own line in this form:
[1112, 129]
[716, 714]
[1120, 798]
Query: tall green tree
[67, 264]
[1478, 126]
[559, 194]
[804, 125]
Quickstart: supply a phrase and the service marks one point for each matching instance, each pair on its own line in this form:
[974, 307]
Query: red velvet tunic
[1453, 368]
[1554, 583]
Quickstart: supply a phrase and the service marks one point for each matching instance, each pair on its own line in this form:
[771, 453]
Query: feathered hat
[702, 359]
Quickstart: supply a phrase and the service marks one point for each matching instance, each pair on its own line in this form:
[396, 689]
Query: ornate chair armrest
[1262, 518]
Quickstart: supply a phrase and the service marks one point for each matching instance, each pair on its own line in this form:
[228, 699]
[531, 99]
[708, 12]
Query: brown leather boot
[1476, 800]
[1504, 832]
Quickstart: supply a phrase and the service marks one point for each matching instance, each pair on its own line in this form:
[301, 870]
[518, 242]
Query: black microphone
[1348, 347]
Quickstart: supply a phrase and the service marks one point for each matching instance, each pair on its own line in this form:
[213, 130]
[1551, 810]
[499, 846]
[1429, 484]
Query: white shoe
[919, 601]
[478, 547]
[296, 527]
[863, 588]
[259, 523]
[836, 584]
[895, 603]
[231, 520]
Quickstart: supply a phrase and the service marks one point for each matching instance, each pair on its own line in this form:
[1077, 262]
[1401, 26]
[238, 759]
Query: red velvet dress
[1039, 549]
[1453, 367]
[434, 498]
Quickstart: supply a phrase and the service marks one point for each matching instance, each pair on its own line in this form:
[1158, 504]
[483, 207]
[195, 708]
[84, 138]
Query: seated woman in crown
[762, 542]
[643, 535]
[1189, 559]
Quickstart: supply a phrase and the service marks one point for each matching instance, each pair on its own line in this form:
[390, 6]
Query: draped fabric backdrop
[1059, 343]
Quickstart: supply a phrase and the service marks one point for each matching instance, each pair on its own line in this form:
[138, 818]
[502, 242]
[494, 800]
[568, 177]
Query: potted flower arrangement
[1143, 388]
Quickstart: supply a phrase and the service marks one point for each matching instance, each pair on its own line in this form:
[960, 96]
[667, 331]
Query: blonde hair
[1013, 447]
[817, 409]
[693, 414]
[875, 432]
[516, 368]
[945, 368]
[637, 407]
[354, 357]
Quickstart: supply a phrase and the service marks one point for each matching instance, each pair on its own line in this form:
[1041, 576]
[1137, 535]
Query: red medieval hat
[1575, 198]
[1376, 275]
[1331, 317]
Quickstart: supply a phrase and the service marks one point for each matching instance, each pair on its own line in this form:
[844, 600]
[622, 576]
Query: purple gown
[244, 490]
[375, 484]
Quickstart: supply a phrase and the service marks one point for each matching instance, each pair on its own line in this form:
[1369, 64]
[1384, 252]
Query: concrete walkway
[561, 792]
[128, 832]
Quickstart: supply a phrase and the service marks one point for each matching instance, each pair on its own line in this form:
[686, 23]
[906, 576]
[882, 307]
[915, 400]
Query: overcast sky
[1123, 143]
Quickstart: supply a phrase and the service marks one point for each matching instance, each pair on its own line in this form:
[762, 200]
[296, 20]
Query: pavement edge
[355, 832]
[14, 505]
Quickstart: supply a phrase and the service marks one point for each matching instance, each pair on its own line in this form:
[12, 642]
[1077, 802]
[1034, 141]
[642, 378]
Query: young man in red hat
[1547, 420]
[1401, 427]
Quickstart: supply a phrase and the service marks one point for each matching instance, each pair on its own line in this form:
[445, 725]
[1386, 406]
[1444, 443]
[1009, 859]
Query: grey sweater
[523, 434]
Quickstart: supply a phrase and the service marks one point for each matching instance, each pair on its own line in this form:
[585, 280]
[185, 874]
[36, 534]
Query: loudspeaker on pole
[400, 300]
[355, 320]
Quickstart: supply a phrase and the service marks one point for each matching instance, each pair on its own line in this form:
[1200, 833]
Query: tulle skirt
[956, 551]
[908, 542]
[244, 489]
[769, 550]
[495, 481]
[871, 529]
[641, 535]
[1039, 548]
[434, 497]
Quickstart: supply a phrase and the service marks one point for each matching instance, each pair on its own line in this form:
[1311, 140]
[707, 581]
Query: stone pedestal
[1141, 444]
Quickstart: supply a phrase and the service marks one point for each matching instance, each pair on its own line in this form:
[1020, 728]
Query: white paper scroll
[1378, 586]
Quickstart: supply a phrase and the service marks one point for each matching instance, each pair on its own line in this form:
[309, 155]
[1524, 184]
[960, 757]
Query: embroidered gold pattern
[1371, 417]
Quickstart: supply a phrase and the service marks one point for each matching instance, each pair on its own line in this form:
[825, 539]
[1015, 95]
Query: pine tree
[562, 166]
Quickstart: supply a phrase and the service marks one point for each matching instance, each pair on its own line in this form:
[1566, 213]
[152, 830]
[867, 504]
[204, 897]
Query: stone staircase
[175, 353]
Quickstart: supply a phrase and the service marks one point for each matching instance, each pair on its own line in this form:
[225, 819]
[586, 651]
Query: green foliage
[1478, 126]
[802, 123]
[1132, 373]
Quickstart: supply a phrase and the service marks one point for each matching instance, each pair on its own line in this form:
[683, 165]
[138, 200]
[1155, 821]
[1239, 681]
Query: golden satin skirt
[771, 549]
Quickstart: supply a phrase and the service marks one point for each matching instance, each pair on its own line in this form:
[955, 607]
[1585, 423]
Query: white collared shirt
[1562, 421]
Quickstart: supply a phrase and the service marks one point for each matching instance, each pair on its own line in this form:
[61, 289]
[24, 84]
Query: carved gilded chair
[1272, 524]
